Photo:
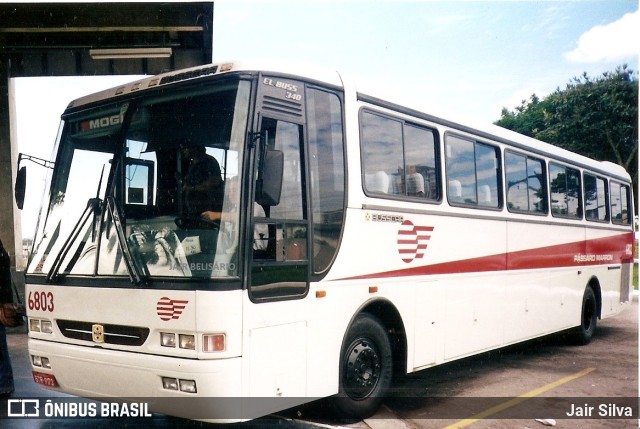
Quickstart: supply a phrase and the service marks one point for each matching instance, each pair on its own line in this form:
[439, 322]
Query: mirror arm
[35, 160]
[21, 176]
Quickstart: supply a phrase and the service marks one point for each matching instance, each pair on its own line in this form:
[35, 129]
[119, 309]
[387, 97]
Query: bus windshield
[148, 188]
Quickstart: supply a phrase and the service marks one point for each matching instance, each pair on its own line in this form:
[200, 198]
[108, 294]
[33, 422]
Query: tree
[527, 119]
[597, 118]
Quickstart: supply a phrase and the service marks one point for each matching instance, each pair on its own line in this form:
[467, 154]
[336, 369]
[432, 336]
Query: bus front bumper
[207, 390]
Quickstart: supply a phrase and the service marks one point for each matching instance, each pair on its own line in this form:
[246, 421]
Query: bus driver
[203, 186]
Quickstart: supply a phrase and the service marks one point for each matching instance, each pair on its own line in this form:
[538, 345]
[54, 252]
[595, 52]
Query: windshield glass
[148, 189]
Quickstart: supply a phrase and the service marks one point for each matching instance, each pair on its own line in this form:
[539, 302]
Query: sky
[468, 58]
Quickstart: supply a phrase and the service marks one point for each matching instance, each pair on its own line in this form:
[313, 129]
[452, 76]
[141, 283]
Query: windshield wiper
[92, 207]
[137, 278]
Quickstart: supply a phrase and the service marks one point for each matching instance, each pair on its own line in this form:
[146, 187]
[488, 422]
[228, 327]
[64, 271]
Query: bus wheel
[365, 368]
[583, 333]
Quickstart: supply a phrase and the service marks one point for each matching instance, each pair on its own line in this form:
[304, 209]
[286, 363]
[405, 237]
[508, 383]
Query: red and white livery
[235, 239]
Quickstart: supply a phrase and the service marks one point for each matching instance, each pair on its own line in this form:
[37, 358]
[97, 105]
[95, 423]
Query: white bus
[231, 240]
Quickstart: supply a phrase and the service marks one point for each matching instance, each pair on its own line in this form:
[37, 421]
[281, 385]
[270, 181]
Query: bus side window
[566, 194]
[620, 203]
[596, 207]
[421, 176]
[399, 159]
[525, 178]
[280, 262]
[326, 174]
[285, 137]
[381, 140]
[473, 173]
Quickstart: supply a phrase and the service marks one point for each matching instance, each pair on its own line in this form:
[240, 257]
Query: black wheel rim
[362, 369]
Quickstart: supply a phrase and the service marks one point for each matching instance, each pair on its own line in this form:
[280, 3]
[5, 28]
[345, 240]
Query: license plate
[45, 379]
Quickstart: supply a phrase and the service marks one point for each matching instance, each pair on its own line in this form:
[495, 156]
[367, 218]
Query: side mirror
[269, 186]
[21, 187]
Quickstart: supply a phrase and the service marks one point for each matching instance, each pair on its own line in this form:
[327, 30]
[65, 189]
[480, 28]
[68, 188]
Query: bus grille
[113, 334]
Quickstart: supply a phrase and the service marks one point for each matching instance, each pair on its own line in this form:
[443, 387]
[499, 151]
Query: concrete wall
[10, 225]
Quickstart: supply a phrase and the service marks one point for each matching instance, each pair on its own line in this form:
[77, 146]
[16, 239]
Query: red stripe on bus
[601, 251]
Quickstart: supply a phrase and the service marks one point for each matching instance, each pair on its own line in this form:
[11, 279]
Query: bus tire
[583, 333]
[366, 368]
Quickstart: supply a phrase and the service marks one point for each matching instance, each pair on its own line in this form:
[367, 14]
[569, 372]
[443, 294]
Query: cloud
[517, 98]
[608, 43]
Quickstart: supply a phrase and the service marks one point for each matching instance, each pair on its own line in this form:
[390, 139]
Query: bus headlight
[187, 341]
[34, 325]
[184, 341]
[46, 327]
[167, 339]
[40, 325]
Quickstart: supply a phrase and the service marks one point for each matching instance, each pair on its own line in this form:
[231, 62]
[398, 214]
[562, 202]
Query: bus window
[472, 173]
[565, 191]
[381, 153]
[286, 137]
[151, 201]
[399, 159]
[421, 178]
[326, 174]
[596, 207]
[525, 179]
[620, 203]
[280, 266]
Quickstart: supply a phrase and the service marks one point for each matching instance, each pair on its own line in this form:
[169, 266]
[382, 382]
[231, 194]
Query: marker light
[226, 67]
[213, 342]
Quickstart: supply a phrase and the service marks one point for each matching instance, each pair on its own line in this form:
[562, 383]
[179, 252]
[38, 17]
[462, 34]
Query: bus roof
[333, 78]
[330, 77]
